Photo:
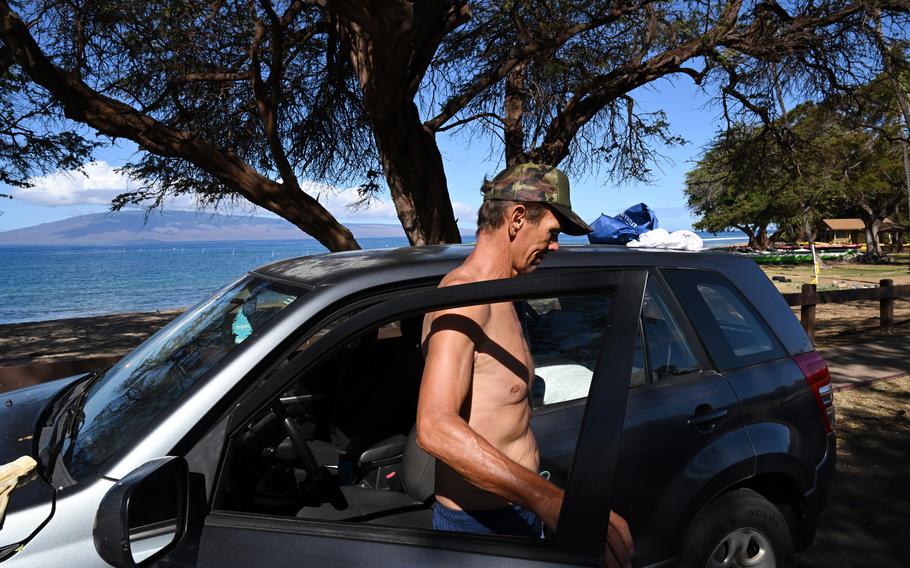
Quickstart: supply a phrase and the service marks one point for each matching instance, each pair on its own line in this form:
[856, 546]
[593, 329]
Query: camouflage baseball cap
[537, 183]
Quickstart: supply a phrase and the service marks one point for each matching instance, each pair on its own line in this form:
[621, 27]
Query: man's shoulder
[458, 277]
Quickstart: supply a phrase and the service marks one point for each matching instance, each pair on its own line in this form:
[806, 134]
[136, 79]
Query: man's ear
[517, 218]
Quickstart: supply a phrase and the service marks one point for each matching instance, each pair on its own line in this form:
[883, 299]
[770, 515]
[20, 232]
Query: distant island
[132, 227]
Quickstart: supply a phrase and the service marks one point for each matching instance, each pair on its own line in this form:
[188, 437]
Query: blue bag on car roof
[624, 227]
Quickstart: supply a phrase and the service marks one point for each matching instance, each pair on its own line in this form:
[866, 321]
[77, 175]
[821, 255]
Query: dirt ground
[866, 520]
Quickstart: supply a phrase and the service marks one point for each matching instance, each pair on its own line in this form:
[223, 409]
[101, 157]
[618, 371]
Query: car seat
[410, 508]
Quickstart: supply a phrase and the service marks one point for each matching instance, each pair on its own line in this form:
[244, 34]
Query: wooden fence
[810, 297]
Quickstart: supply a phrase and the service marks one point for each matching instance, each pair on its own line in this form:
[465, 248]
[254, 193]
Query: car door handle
[707, 418]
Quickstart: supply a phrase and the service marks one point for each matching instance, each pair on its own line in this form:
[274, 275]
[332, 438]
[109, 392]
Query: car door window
[741, 329]
[564, 335]
[661, 349]
[639, 372]
[669, 354]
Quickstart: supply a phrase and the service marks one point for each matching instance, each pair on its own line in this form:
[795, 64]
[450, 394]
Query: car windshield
[134, 392]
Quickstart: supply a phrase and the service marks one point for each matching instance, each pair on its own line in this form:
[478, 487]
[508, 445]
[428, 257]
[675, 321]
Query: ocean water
[39, 283]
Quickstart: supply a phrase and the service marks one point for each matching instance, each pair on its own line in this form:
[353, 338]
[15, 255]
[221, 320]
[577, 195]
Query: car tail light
[816, 372]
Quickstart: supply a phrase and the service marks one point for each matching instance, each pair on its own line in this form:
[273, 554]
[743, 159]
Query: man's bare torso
[497, 406]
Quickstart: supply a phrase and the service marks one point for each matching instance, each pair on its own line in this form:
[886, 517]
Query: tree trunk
[807, 231]
[762, 238]
[391, 44]
[905, 155]
[514, 109]
[416, 176]
[752, 231]
[873, 244]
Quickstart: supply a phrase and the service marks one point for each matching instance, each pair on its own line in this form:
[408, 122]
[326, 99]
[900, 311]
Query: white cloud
[340, 202]
[97, 183]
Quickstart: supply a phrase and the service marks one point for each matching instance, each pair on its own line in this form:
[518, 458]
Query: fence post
[886, 304]
[807, 309]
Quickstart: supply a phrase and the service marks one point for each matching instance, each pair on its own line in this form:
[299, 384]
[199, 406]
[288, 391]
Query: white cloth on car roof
[661, 238]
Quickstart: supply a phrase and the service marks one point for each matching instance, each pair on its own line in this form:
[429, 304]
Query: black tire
[763, 526]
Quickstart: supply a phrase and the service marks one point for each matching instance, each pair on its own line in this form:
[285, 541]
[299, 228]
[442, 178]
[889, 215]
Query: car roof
[367, 268]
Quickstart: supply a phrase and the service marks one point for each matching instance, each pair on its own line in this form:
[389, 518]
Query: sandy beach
[77, 338]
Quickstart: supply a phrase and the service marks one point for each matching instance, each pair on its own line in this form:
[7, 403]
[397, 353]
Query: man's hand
[618, 549]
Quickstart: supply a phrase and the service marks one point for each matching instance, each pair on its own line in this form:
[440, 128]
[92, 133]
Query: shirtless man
[474, 412]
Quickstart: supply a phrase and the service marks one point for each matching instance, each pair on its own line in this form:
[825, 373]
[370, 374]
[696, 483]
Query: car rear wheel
[740, 529]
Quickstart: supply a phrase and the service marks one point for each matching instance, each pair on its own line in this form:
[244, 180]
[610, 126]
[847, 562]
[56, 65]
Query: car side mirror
[144, 515]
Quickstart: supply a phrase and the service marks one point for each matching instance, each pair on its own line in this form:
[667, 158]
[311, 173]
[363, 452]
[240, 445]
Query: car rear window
[733, 332]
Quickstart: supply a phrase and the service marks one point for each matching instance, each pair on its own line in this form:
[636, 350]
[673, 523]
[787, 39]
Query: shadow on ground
[866, 523]
[77, 338]
[853, 361]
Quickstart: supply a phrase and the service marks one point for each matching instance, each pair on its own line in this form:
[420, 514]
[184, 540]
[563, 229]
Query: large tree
[245, 99]
[869, 154]
[739, 183]
[838, 158]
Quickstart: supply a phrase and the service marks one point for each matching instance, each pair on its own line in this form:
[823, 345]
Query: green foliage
[190, 65]
[31, 140]
[840, 158]
[739, 182]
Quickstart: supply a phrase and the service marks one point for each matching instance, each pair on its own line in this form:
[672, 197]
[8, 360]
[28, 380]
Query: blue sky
[66, 194]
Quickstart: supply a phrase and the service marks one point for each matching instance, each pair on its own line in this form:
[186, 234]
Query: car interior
[340, 443]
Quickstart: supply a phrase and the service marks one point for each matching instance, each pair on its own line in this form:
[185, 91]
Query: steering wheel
[305, 456]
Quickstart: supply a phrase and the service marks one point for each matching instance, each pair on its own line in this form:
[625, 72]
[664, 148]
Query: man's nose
[553, 246]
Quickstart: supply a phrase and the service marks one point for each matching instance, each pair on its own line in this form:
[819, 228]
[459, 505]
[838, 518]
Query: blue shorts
[513, 521]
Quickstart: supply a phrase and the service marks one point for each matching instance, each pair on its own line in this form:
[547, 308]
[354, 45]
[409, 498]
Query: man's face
[534, 240]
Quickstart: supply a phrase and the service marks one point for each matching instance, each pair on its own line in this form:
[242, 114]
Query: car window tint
[741, 328]
[730, 328]
[668, 352]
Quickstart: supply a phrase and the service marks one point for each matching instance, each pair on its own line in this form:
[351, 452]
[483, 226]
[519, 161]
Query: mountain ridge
[133, 227]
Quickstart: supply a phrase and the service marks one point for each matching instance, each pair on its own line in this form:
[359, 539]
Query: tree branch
[518, 54]
[215, 77]
[458, 123]
[744, 100]
[697, 76]
[267, 103]
[753, 41]
[114, 118]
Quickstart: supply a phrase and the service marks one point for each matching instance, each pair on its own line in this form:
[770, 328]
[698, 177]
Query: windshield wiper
[61, 423]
